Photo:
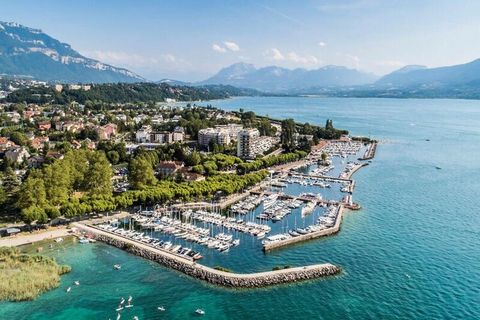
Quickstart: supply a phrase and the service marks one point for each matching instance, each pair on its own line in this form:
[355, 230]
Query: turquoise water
[412, 252]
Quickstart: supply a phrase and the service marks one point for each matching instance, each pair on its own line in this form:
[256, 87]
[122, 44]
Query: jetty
[207, 274]
[370, 153]
[267, 246]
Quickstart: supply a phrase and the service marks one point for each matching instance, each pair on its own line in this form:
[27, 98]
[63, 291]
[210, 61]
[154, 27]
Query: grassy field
[25, 277]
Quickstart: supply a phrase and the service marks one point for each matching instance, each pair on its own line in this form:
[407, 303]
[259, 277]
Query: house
[55, 155]
[143, 134]
[107, 131]
[157, 119]
[191, 176]
[14, 116]
[58, 87]
[121, 117]
[28, 114]
[72, 126]
[17, 154]
[168, 168]
[140, 118]
[44, 125]
[5, 144]
[38, 142]
[36, 161]
[178, 134]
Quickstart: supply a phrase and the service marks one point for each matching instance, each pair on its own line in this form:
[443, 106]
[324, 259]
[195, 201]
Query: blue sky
[192, 39]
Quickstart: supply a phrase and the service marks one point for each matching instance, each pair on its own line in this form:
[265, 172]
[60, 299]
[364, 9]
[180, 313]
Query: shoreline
[208, 274]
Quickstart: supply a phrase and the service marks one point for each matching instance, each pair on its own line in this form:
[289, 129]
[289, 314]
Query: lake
[412, 252]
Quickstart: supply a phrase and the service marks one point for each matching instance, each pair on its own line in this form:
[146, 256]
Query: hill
[33, 54]
[126, 93]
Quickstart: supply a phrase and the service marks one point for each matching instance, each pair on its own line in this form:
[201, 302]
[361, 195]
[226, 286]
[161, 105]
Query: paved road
[26, 238]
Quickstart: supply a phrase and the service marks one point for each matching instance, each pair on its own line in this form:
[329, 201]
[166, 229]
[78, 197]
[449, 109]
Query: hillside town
[128, 147]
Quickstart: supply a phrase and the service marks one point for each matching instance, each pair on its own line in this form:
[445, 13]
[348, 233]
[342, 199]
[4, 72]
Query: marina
[201, 272]
[291, 206]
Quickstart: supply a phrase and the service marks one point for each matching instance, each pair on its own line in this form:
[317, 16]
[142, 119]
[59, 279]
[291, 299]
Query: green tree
[32, 193]
[99, 175]
[113, 156]
[288, 134]
[193, 159]
[141, 174]
[19, 138]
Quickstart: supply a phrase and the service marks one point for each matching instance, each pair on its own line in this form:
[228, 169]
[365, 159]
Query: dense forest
[125, 93]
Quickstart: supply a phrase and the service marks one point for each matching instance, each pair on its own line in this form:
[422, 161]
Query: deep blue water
[412, 252]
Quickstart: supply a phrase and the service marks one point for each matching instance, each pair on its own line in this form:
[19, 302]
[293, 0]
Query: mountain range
[33, 54]
[28, 52]
[277, 79]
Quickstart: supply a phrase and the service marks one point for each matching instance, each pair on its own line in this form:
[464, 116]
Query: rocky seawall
[210, 275]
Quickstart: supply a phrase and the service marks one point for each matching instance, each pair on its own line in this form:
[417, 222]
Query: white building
[17, 154]
[157, 119]
[233, 130]
[143, 135]
[218, 136]
[245, 143]
[178, 134]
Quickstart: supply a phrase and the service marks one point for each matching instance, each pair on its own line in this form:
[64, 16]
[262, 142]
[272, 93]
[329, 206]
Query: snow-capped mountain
[31, 53]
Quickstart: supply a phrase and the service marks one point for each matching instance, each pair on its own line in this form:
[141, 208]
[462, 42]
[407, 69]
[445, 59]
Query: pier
[313, 235]
[370, 153]
[207, 274]
[284, 196]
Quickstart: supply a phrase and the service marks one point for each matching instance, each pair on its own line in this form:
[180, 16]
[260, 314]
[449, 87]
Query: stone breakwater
[370, 153]
[314, 235]
[210, 275]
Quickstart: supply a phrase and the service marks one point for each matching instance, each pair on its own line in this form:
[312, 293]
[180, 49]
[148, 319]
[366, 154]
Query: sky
[191, 40]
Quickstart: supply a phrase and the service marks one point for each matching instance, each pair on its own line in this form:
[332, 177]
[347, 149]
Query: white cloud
[308, 59]
[118, 58]
[232, 46]
[322, 44]
[218, 48]
[293, 57]
[228, 46]
[275, 54]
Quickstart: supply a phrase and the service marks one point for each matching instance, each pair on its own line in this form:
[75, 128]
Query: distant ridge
[277, 79]
[442, 77]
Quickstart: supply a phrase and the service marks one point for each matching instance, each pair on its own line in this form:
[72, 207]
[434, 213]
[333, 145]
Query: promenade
[26, 238]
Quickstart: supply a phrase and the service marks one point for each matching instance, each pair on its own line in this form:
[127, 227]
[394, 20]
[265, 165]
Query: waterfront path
[51, 233]
[26, 238]
[213, 276]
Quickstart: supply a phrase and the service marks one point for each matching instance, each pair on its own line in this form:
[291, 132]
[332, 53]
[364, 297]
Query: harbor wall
[210, 275]
[370, 154]
[309, 236]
